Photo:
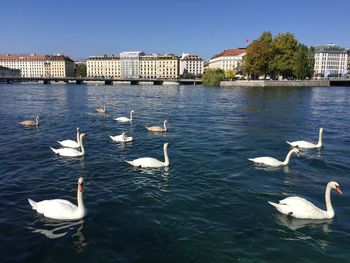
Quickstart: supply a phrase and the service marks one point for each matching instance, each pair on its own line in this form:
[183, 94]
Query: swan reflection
[56, 229]
[296, 223]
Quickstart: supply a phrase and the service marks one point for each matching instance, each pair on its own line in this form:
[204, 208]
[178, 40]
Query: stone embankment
[275, 83]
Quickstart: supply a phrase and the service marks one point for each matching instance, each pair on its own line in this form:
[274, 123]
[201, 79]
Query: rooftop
[230, 52]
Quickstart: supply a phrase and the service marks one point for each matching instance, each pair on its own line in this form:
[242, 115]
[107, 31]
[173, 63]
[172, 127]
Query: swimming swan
[71, 143]
[101, 110]
[308, 145]
[274, 162]
[301, 208]
[62, 209]
[158, 128]
[70, 152]
[30, 123]
[125, 119]
[121, 138]
[148, 162]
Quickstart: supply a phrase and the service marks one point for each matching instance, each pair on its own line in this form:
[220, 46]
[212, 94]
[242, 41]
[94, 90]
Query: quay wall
[275, 83]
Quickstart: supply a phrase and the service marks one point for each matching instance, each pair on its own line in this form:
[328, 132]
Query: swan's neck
[165, 128]
[82, 145]
[78, 137]
[286, 161]
[36, 120]
[319, 144]
[330, 210]
[80, 198]
[130, 115]
[166, 158]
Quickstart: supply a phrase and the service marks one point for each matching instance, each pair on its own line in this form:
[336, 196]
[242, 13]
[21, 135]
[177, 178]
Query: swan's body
[125, 119]
[308, 145]
[301, 208]
[148, 162]
[121, 138]
[101, 110]
[70, 152]
[274, 162]
[30, 123]
[62, 209]
[158, 128]
[71, 143]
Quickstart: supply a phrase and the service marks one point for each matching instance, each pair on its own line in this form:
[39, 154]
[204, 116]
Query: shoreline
[277, 83]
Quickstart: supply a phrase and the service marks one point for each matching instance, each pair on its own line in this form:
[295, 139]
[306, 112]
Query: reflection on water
[56, 229]
[296, 223]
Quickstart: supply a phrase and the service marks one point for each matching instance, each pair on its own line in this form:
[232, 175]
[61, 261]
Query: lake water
[209, 206]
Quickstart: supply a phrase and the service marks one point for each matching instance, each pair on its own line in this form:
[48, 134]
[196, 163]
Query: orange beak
[338, 190]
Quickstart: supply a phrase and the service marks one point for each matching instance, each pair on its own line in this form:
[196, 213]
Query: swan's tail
[54, 150]
[130, 162]
[273, 204]
[111, 137]
[251, 159]
[289, 143]
[32, 203]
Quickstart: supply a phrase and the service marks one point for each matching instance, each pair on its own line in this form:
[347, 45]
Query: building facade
[103, 66]
[32, 66]
[130, 64]
[159, 66]
[191, 64]
[227, 59]
[9, 72]
[330, 60]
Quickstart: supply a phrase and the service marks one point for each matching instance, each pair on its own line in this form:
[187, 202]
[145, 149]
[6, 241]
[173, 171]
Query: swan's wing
[56, 208]
[69, 143]
[266, 160]
[146, 162]
[302, 144]
[70, 152]
[301, 208]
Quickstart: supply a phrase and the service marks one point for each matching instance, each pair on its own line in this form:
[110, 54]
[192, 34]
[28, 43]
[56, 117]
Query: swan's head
[80, 184]
[296, 151]
[321, 130]
[78, 130]
[335, 186]
[166, 145]
[132, 111]
[123, 135]
[82, 135]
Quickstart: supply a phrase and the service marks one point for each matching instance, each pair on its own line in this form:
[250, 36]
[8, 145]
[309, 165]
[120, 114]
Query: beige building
[103, 66]
[227, 59]
[159, 66]
[39, 65]
[192, 64]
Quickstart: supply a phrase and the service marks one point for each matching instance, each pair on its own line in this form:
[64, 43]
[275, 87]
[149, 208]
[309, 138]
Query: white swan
[158, 128]
[274, 162]
[301, 208]
[71, 143]
[30, 123]
[308, 145]
[125, 119]
[62, 209]
[121, 138]
[101, 110]
[148, 162]
[70, 152]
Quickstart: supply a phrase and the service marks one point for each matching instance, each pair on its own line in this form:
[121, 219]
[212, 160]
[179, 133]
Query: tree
[80, 70]
[258, 56]
[284, 47]
[213, 77]
[304, 61]
[229, 74]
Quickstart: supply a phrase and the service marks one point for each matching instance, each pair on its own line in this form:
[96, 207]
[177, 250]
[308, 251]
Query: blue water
[209, 206]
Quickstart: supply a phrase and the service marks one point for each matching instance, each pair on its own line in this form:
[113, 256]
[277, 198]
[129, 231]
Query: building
[159, 66]
[191, 64]
[9, 73]
[227, 59]
[330, 60]
[103, 66]
[130, 64]
[32, 66]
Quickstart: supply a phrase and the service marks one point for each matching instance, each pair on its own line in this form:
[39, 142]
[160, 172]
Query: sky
[83, 28]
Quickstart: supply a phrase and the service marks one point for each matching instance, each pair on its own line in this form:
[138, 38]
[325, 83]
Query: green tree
[230, 73]
[284, 47]
[213, 77]
[258, 56]
[80, 70]
[304, 61]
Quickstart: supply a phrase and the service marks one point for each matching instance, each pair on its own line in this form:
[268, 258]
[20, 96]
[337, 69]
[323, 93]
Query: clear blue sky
[80, 28]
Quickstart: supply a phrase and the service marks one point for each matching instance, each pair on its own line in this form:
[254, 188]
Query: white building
[191, 64]
[130, 64]
[103, 66]
[227, 59]
[39, 65]
[159, 66]
[330, 60]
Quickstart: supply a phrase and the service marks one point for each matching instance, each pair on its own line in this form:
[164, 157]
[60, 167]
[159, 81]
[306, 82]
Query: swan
[71, 143]
[308, 145]
[148, 162]
[30, 123]
[301, 208]
[62, 209]
[158, 128]
[101, 110]
[125, 119]
[70, 152]
[121, 138]
[274, 162]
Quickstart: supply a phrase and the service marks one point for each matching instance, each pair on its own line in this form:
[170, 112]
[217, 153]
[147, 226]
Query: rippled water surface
[209, 206]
